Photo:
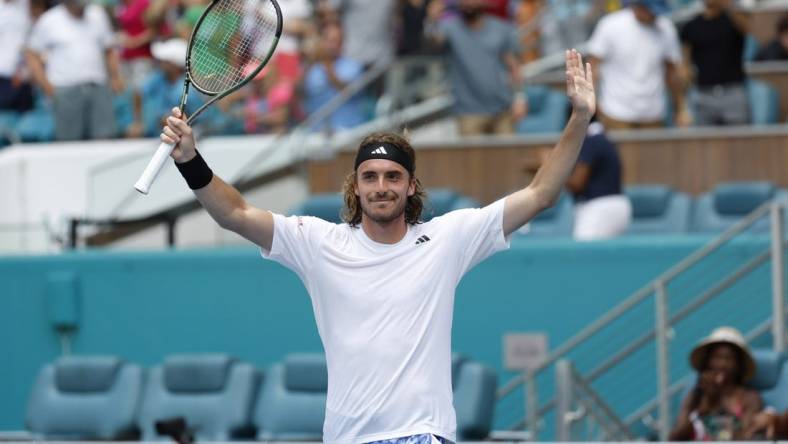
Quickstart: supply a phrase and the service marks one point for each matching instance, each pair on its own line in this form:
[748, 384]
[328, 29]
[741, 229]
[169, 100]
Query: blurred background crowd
[66, 66]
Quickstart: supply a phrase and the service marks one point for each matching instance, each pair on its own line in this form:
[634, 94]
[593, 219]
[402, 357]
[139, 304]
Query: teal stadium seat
[214, 393]
[37, 125]
[764, 101]
[444, 200]
[85, 398]
[292, 400]
[658, 209]
[556, 221]
[326, 206]
[547, 111]
[728, 203]
[474, 386]
[771, 378]
[8, 121]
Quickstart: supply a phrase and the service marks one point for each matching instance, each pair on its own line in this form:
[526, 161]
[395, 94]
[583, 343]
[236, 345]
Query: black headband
[384, 150]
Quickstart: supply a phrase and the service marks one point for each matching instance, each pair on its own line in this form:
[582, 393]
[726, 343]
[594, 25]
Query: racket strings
[233, 35]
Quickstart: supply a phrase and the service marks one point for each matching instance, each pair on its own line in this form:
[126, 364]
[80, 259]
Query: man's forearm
[223, 202]
[552, 176]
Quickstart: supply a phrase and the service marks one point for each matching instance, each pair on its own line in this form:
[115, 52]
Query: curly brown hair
[351, 213]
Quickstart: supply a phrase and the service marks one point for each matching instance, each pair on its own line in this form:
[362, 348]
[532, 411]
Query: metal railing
[665, 320]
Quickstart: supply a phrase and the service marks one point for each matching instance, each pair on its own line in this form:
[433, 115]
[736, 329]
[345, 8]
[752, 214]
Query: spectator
[601, 210]
[163, 87]
[135, 38]
[297, 25]
[192, 10]
[368, 27]
[268, 102]
[635, 53]
[483, 67]
[330, 73]
[76, 41]
[411, 32]
[720, 407]
[15, 91]
[714, 40]
[777, 49]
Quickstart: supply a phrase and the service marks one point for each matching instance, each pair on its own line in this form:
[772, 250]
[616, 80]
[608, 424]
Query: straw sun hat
[723, 335]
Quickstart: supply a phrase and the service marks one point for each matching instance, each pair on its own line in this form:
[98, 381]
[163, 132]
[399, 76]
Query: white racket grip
[154, 167]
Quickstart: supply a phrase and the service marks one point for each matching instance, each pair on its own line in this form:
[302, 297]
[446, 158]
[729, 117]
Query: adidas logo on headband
[383, 150]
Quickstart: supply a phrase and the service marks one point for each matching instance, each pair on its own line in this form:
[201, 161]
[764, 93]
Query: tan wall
[692, 161]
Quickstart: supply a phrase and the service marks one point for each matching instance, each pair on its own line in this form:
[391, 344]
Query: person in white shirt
[15, 91]
[637, 53]
[382, 284]
[76, 41]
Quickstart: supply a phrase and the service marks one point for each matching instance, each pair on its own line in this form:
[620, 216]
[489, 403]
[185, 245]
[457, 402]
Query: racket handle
[154, 167]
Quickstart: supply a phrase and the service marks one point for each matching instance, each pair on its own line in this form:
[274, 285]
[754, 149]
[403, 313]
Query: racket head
[231, 43]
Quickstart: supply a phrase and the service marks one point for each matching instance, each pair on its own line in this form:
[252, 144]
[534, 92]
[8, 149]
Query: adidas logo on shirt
[380, 150]
[422, 240]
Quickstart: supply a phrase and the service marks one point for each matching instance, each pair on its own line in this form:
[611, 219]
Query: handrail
[639, 296]
[643, 293]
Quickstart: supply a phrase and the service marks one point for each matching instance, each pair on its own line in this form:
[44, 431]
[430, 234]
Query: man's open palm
[580, 84]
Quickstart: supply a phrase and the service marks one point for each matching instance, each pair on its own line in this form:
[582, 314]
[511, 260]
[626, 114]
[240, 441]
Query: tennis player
[382, 285]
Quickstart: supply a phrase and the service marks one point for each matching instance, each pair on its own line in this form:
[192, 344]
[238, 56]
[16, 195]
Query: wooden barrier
[692, 160]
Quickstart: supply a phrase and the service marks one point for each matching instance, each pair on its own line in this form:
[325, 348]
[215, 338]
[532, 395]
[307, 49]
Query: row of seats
[219, 397]
[659, 209]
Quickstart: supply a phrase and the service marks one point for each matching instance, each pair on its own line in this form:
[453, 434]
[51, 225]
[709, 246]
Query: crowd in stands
[67, 66]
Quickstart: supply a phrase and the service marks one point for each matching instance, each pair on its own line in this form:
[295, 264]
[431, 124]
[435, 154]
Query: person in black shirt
[714, 42]
[777, 49]
[602, 211]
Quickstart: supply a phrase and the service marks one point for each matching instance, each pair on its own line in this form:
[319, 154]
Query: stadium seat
[291, 403]
[547, 111]
[771, 378]
[474, 387]
[443, 200]
[85, 398]
[326, 206]
[728, 203]
[36, 126]
[214, 393]
[8, 121]
[557, 220]
[658, 209]
[764, 101]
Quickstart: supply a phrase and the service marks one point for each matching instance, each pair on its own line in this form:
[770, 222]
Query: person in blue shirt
[164, 86]
[602, 211]
[331, 73]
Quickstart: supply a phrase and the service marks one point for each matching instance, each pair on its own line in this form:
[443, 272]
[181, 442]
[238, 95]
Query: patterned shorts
[424, 438]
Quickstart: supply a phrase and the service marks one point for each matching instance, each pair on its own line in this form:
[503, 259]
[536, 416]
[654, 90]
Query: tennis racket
[230, 37]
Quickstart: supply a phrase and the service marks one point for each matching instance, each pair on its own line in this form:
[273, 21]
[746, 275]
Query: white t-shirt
[632, 71]
[74, 47]
[384, 314]
[14, 26]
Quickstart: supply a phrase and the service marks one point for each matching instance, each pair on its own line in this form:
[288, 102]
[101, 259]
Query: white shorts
[602, 218]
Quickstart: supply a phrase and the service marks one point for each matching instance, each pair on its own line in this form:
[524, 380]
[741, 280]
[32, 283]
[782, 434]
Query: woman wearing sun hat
[720, 407]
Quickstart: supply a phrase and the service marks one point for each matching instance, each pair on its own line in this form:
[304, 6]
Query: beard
[383, 216]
